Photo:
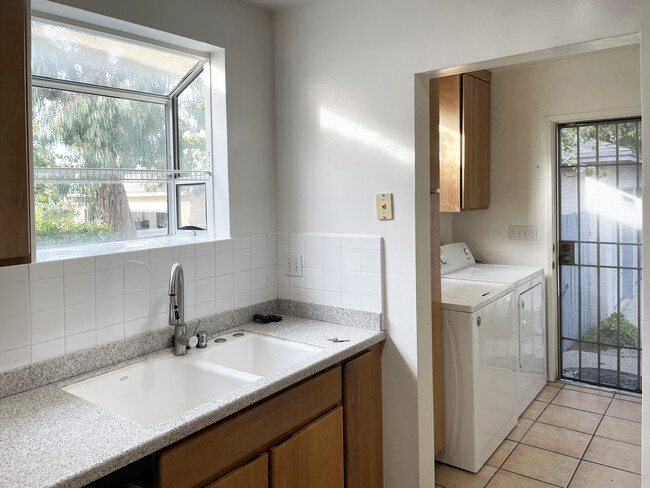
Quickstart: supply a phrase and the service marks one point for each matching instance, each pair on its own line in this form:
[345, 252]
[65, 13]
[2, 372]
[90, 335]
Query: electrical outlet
[523, 233]
[294, 265]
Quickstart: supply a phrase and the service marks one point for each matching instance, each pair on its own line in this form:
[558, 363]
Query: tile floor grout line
[618, 440]
[582, 458]
[531, 478]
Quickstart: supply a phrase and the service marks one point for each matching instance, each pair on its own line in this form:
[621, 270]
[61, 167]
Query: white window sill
[57, 253]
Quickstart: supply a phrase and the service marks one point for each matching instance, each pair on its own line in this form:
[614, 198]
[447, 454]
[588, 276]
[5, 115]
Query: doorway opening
[599, 250]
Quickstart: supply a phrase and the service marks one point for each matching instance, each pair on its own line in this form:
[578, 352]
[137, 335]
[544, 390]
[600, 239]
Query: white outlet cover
[293, 265]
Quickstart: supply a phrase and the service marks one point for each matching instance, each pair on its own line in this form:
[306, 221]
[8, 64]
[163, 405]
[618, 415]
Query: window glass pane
[568, 146]
[77, 130]
[68, 213]
[192, 213]
[67, 53]
[191, 125]
[587, 136]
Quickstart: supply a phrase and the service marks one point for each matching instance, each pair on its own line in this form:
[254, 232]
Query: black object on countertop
[265, 319]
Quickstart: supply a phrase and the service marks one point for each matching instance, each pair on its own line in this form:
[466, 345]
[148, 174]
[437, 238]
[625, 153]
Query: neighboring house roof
[606, 153]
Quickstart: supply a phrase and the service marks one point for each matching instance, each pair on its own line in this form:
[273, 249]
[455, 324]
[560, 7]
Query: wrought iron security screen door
[599, 252]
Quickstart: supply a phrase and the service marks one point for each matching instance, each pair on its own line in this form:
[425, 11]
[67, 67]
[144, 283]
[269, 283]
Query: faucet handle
[203, 339]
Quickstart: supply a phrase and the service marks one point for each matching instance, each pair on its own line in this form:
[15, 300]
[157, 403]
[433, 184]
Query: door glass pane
[589, 303]
[191, 125]
[589, 254]
[589, 203]
[568, 146]
[588, 145]
[608, 306]
[608, 254]
[629, 204]
[569, 298]
[570, 359]
[609, 366]
[607, 144]
[629, 365]
[568, 203]
[80, 55]
[601, 188]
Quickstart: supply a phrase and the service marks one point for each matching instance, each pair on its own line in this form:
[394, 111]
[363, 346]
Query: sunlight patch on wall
[347, 128]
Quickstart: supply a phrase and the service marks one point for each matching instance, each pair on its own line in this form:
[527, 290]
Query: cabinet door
[450, 143]
[313, 457]
[15, 184]
[476, 143]
[362, 420]
[252, 475]
[436, 329]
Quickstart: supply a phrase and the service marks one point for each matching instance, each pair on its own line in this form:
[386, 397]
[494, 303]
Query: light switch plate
[385, 206]
[294, 265]
[523, 232]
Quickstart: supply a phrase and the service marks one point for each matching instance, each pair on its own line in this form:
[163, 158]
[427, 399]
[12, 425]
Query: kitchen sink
[160, 388]
[258, 354]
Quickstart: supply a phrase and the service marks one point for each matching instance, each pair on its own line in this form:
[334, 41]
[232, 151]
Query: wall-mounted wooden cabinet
[15, 141]
[460, 140]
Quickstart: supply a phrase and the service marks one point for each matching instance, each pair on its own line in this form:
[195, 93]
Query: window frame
[175, 175]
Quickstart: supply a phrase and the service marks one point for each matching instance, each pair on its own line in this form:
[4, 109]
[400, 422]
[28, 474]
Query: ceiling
[275, 5]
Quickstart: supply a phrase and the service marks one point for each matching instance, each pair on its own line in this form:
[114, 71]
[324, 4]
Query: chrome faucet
[177, 312]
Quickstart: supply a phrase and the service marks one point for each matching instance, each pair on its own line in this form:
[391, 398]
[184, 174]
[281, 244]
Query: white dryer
[457, 261]
[479, 370]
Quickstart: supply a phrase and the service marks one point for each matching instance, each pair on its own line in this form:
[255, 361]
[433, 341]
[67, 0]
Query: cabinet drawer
[215, 451]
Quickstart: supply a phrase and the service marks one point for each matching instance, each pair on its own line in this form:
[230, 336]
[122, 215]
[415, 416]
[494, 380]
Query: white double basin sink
[163, 387]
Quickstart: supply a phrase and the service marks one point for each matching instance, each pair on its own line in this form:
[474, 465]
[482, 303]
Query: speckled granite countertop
[49, 437]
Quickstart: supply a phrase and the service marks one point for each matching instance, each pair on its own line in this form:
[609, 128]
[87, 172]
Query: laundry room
[540, 263]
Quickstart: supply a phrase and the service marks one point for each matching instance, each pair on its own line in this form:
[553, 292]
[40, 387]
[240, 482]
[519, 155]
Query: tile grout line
[582, 458]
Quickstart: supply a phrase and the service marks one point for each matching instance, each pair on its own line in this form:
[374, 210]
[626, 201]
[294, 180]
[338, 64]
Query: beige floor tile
[557, 439]
[558, 383]
[570, 418]
[450, 477]
[541, 465]
[502, 452]
[547, 394]
[625, 410]
[628, 398]
[520, 429]
[534, 410]
[582, 401]
[615, 454]
[620, 430]
[590, 475]
[506, 479]
[593, 391]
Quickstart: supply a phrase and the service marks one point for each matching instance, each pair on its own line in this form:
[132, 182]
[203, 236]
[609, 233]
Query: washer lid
[496, 273]
[470, 296]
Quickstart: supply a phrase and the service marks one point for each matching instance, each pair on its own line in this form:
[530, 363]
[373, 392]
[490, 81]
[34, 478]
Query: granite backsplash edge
[60, 368]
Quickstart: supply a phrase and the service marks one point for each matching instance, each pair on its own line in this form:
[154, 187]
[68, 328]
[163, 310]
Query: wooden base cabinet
[312, 457]
[324, 432]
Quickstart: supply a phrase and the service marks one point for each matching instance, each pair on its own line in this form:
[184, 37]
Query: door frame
[553, 280]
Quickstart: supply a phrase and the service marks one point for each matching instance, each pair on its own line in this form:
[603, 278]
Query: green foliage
[53, 232]
[609, 332]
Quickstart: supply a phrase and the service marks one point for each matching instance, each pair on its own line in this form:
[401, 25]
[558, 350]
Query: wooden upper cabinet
[460, 147]
[15, 140]
[313, 457]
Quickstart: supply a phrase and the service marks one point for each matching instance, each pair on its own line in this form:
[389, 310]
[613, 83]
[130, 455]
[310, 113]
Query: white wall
[245, 34]
[356, 60]
[525, 100]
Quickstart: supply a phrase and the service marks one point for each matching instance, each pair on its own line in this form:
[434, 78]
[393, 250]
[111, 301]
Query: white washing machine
[457, 261]
[479, 338]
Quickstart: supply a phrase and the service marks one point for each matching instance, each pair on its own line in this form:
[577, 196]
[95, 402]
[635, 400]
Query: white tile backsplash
[52, 308]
